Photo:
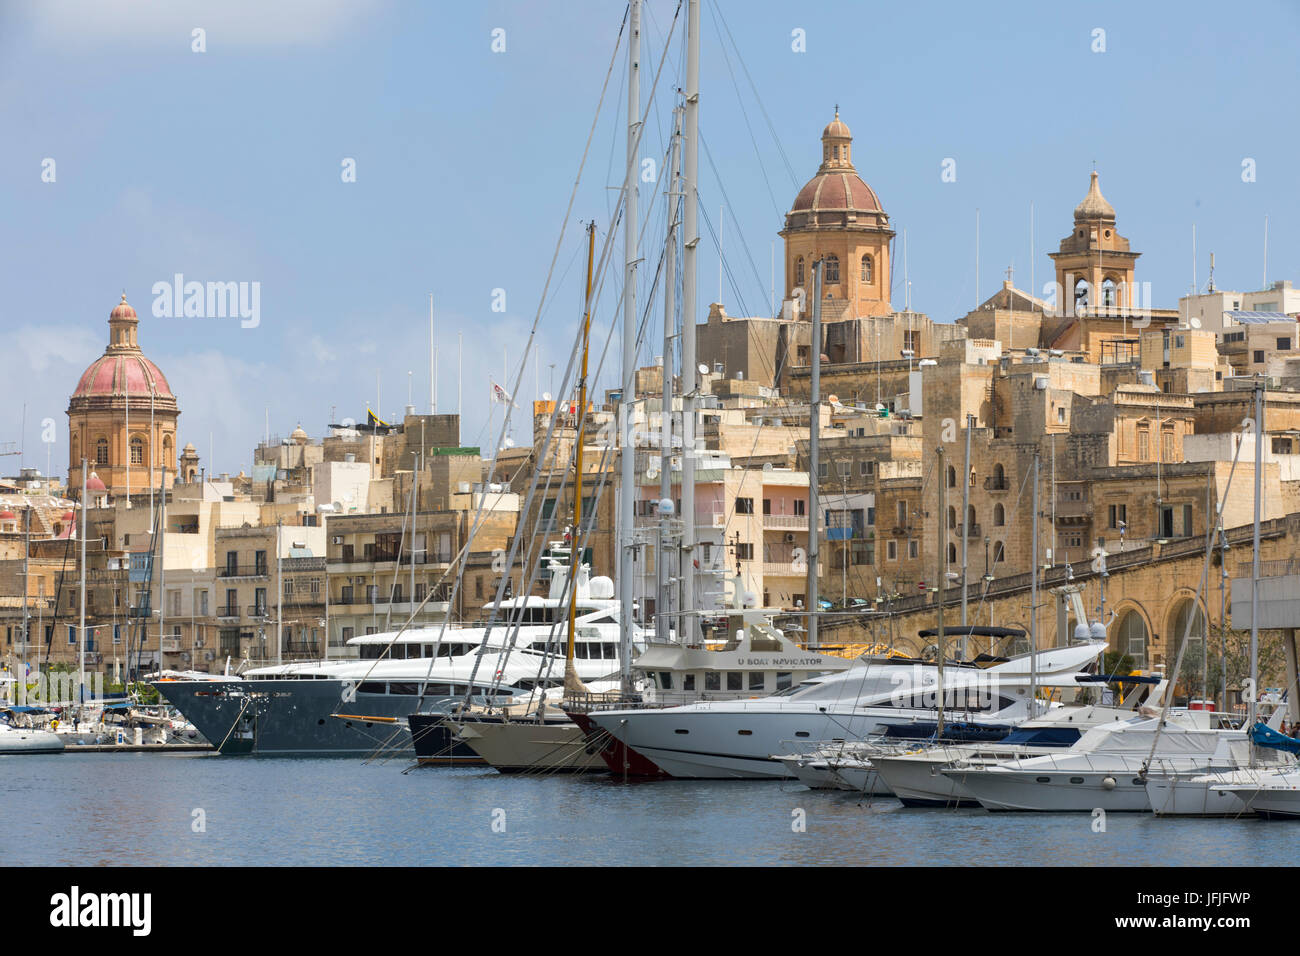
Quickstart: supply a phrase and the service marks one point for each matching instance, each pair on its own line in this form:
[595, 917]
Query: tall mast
[627, 482]
[662, 590]
[572, 685]
[81, 665]
[279, 595]
[1254, 557]
[965, 526]
[814, 435]
[1033, 600]
[161, 530]
[690, 268]
[940, 557]
[433, 365]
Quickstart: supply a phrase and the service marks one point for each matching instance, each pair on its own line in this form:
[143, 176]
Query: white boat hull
[16, 740]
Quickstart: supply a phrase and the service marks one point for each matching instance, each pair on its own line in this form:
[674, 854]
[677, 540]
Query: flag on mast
[499, 394]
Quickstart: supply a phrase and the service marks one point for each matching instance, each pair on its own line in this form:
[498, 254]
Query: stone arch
[952, 553]
[1180, 606]
[1109, 292]
[1131, 633]
[999, 515]
[952, 477]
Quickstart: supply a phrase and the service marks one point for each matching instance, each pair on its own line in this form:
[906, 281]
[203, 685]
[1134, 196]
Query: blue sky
[226, 165]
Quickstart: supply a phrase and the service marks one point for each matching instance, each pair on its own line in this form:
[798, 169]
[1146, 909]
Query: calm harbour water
[137, 809]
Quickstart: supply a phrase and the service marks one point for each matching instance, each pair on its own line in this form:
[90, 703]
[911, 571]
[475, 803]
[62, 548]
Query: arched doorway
[1129, 637]
[1191, 675]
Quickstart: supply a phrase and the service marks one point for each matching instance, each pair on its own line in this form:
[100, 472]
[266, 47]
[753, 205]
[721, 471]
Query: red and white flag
[499, 394]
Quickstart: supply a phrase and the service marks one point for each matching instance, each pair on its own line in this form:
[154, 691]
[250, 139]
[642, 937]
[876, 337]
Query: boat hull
[291, 717]
[436, 745]
[16, 740]
[1115, 790]
[529, 746]
[618, 758]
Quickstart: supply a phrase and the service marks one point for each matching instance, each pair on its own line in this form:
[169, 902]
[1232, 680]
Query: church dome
[837, 195]
[1094, 205]
[123, 370]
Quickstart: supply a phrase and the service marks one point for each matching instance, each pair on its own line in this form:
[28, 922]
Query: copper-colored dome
[123, 374]
[122, 310]
[836, 190]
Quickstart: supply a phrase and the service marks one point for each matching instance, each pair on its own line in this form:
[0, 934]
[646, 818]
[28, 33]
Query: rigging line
[607, 252]
[794, 182]
[726, 265]
[744, 244]
[605, 257]
[1211, 529]
[713, 8]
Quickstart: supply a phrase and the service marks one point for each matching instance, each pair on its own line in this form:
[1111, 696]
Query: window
[902, 513]
[866, 268]
[952, 554]
[755, 680]
[137, 451]
[798, 271]
[891, 550]
[912, 340]
[999, 516]
[1144, 443]
[744, 506]
[952, 518]
[913, 549]
[1284, 344]
[706, 552]
[1060, 414]
[735, 680]
[844, 468]
[345, 597]
[767, 506]
[744, 552]
[1117, 515]
[800, 507]
[1259, 356]
[952, 478]
[831, 269]
[999, 553]
[712, 680]
[823, 469]
[101, 451]
[867, 468]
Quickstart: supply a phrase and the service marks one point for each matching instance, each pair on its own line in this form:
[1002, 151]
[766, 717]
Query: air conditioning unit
[337, 539]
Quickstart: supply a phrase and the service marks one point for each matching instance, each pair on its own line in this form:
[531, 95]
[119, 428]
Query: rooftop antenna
[433, 365]
[1210, 288]
[1195, 286]
[907, 285]
[1032, 290]
[977, 257]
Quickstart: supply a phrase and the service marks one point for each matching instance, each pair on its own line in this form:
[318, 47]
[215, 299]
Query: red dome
[122, 373]
[8, 515]
[95, 483]
[69, 516]
[838, 190]
[122, 310]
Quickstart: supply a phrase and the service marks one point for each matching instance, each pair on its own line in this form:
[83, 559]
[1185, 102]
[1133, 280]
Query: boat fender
[54, 724]
[1108, 783]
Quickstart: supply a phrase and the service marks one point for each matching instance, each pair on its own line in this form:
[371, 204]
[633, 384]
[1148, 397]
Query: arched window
[952, 517]
[999, 477]
[1192, 662]
[167, 452]
[1130, 637]
[101, 451]
[999, 553]
[970, 517]
[952, 477]
[832, 269]
[798, 271]
[952, 554]
[999, 515]
[1081, 294]
[1108, 297]
[866, 268]
[137, 451]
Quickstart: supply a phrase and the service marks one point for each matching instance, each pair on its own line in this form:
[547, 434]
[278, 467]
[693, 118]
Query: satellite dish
[652, 473]
[666, 506]
[546, 396]
[767, 466]
[704, 369]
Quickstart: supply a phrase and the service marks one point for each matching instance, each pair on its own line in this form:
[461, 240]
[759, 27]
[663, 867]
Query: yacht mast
[573, 686]
[940, 555]
[1033, 600]
[690, 374]
[814, 429]
[81, 664]
[627, 482]
[662, 590]
[1254, 558]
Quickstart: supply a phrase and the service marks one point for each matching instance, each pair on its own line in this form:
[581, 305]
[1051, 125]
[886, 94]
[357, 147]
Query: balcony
[171, 645]
[786, 522]
[969, 531]
[243, 571]
[787, 569]
[227, 612]
[994, 483]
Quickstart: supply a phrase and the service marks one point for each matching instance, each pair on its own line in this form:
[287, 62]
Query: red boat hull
[621, 760]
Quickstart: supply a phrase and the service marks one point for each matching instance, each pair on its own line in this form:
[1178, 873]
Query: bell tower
[1094, 266]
